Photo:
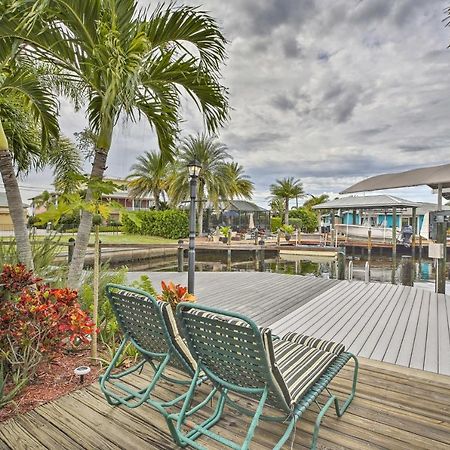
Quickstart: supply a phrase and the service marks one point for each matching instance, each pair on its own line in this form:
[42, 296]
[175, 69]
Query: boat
[379, 233]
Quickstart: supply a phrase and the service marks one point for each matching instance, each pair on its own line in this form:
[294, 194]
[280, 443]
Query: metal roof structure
[431, 176]
[244, 206]
[368, 202]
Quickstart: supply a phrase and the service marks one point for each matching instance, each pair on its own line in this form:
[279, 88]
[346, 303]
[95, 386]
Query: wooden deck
[392, 323]
[395, 408]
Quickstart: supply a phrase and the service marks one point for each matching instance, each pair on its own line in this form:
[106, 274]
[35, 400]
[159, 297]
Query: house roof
[244, 206]
[367, 202]
[4, 201]
[431, 176]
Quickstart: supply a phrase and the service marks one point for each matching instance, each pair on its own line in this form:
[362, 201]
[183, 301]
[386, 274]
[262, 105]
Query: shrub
[308, 218]
[275, 224]
[171, 224]
[35, 320]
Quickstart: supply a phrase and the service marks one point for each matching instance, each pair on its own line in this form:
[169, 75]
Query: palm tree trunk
[94, 352]
[156, 199]
[286, 211]
[15, 203]
[84, 229]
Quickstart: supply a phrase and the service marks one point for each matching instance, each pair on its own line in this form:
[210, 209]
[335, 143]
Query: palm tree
[313, 201]
[214, 181]
[287, 188]
[19, 84]
[239, 185]
[149, 175]
[125, 65]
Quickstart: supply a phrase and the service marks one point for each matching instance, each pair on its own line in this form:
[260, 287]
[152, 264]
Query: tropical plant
[126, 63]
[149, 176]
[239, 184]
[213, 182]
[313, 201]
[174, 294]
[307, 218]
[27, 97]
[287, 188]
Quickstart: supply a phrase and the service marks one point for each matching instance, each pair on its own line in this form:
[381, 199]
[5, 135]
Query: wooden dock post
[367, 272]
[341, 265]
[394, 233]
[180, 256]
[350, 271]
[369, 244]
[420, 246]
[278, 237]
[414, 231]
[407, 274]
[441, 228]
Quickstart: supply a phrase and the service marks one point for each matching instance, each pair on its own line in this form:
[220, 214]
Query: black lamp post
[194, 168]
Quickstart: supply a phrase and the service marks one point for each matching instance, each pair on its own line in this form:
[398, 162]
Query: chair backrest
[233, 351]
[149, 324]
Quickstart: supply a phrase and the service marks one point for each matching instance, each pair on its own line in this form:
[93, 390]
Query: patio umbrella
[251, 222]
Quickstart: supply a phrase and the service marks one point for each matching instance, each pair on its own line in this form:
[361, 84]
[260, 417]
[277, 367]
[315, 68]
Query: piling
[369, 243]
[394, 233]
[407, 274]
[180, 256]
[71, 246]
[278, 238]
[420, 247]
[229, 237]
[367, 272]
[441, 228]
[262, 256]
[350, 271]
[341, 266]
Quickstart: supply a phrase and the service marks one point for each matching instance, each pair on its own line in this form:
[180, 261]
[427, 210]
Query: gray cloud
[329, 92]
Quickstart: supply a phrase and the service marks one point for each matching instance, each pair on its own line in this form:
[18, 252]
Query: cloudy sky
[328, 92]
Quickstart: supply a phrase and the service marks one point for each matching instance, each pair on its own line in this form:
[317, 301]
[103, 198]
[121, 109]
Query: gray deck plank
[379, 322]
[432, 343]
[385, 339]
[444, 334]
[409, 337]
[418, 353]
[392, 351]
[360, 327]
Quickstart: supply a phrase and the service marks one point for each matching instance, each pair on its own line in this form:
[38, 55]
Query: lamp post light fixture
[194, 168]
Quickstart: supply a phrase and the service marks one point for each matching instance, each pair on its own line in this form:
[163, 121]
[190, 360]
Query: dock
[394, 408]
[397, 324]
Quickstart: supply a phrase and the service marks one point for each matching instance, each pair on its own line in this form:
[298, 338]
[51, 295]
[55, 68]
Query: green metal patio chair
[149, 325]
[288, 374]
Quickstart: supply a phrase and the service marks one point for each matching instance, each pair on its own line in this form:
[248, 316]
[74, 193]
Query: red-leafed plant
[174, 294]
[35, 321]
[14, 278]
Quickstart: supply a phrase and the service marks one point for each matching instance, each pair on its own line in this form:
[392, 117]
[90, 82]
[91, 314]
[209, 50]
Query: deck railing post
[350, 271]
[341, 265]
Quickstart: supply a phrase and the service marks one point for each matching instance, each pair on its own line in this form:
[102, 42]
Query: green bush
[275, 224]
[308, 219]
[296, 223]
[170, 224]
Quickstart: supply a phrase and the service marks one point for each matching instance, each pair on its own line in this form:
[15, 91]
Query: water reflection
[381, 269]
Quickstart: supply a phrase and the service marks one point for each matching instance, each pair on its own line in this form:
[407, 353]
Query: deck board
[395, 408]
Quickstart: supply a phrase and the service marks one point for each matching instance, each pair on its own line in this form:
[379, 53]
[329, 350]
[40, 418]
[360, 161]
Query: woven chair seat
[300, 366]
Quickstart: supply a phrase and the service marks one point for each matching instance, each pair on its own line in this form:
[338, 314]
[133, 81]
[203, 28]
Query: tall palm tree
[287, 188]
[213, 182]
[239, 185]
[19, 84]
[126, 63]
[149, 175]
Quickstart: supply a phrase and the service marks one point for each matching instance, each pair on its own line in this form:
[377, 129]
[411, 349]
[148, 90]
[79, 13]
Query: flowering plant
[174, 294]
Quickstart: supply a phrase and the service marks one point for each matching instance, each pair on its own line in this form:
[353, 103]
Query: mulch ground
[54, 378]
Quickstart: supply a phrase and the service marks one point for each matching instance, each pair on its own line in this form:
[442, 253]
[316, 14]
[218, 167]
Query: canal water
[382, 269]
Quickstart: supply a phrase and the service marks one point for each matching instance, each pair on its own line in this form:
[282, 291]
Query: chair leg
[254, 422]
[322, 412]
[340, 410]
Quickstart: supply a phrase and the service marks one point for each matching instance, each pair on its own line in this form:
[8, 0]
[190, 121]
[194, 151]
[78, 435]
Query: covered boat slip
[397, 324]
